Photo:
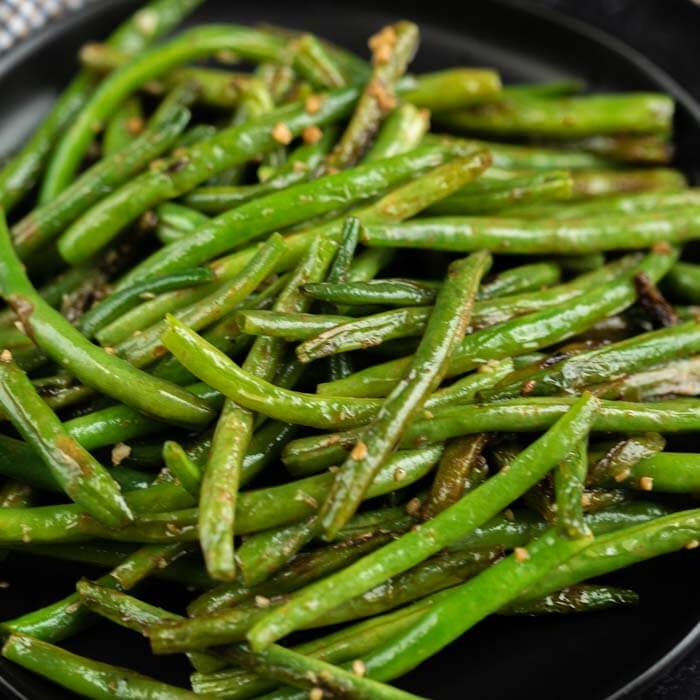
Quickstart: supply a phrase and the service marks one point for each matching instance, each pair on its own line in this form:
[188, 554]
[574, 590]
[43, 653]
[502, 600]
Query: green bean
[616, 204]
[346, 644]
[257, 510]
[392, 50]
[514, 415]
[402, 130]
[580, 263]
[458, 473]
[288, 666]
[118, 303]
[618, 462]
[264, 553]
[19, 461]
[286, 326]
[121, 423]
[215, 87]
[256, 394]
[518, 158]
[92, 679]
[338, 273]
[66, 617]
[129, 612]
[224, 334]
[471, 602]
[235, 427]
[515, 237]
[313, 454]
[491, 196]
[230, 625]
[569, 482]
[531, 332]
[284, 208]
[265, 357]
[445, 329]
[195, 43]
[567, 117]
[607, 363]
[121, 608]
[15, 494]
[575, 599]
[122, 126]
[42, 225]
[302, 569]
[22, 172]
[679, 378]
[456, 521]
[401, 203]
[174, 221]
[553, 88]
[516, 529]
[448, 90]
[217, 503]
[378, 328]
[94, 367]
[300, 166]
[368, 264]
[146, 347]
[602, 183]
[626, 148]
[623, 548]
[81, 476]
[185, 471]
[364, 333]
[190, 167]
[524, 278]
[665, 472]
[288, 504]
[597, 499]
[360, 639]
[389, 292]
[319, 65]
[519, 415]
[256, 101]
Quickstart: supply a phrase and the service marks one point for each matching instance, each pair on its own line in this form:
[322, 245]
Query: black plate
[605, 655]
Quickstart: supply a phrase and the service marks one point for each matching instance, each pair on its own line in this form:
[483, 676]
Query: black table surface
[668, 33]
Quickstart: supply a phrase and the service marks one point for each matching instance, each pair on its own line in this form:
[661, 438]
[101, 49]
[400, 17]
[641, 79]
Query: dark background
[668, 33]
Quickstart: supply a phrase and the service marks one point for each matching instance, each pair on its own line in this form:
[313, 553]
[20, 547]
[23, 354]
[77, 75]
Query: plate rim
[18, 53]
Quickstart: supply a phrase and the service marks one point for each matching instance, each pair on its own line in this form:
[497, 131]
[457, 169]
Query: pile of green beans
[282, 343]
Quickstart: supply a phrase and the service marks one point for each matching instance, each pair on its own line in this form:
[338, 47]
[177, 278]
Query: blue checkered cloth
[18, 18]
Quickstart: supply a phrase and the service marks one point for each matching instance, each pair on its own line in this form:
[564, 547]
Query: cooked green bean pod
[529, 332]
[116, 304]
[92, 679]
[402, 130]
[566, 117]
[446, 327]
[518, 237]
[78, 473]
[392, 50]
[92, 365]
[298, 203]
[454, 522]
